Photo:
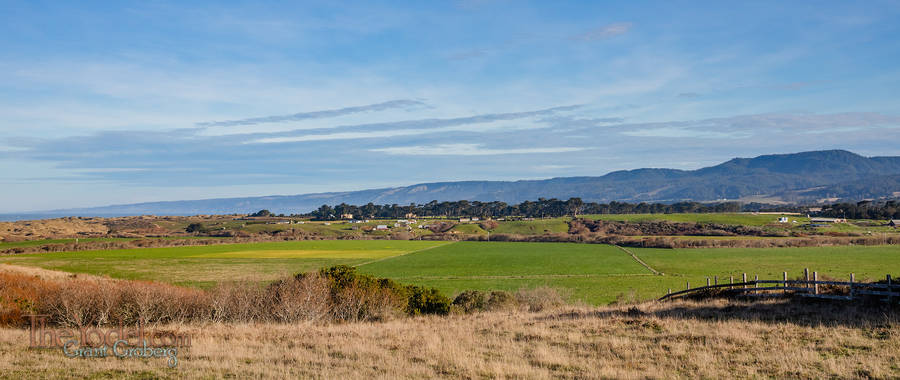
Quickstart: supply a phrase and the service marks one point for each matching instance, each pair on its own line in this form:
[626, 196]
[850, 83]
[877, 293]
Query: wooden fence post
[716, 280]
[707, 281]
[731, 281]
[744, 280]
[816, 283]
[687, 285]
[670, 291]
[890, 290]
[806, 274]
[851, 285]
[784, 284]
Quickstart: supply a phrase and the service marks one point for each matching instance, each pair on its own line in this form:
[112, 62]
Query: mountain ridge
[835, 174]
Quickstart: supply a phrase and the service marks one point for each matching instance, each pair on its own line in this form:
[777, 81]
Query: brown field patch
[716, 339]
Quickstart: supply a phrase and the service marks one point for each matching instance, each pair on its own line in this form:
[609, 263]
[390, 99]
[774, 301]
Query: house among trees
[346, 216]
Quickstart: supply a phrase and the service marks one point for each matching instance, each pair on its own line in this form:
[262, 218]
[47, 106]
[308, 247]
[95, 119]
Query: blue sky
[116, 102]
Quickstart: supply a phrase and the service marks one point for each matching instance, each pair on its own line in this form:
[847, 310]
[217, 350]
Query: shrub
[196, 227]
[19, 295]
[357, 296]
[539, 299]
[303, 299]
[401, 235]
[336, 293]
[488, 225]
[470, 301]
[500, 300]
[426, 301]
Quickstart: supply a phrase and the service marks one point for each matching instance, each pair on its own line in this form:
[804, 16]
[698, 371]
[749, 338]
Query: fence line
[802, 288]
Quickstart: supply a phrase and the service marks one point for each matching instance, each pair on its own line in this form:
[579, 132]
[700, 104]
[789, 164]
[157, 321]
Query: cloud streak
[393, 104]
[604, 32]
[467, 150]
[519, 143]
[405, 127]
[787, 125]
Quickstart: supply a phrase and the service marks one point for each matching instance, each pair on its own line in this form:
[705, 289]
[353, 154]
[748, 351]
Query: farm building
[346, 216]
[783, 219]
[381, 227]
[893, 222]
[827, 220]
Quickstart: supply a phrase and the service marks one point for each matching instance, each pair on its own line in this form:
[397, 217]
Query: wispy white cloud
[338, 136]
[12, 149]
[393, 104]
[673, 132]
[467, 150]
[604, 32]
[477, 123]
[773, 125]
[551, 168]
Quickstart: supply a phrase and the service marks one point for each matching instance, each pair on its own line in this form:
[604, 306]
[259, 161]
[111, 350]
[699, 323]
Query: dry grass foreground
[714, 339]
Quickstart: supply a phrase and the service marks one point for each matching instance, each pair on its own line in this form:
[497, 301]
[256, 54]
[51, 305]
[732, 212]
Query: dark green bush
[196, 227]
[426, 301]
[370, 296]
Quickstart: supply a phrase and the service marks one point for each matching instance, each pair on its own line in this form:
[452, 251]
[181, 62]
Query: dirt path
[638, 259]
[523, 277]
[402, 254]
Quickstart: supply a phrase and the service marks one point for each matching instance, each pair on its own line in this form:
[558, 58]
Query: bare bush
[500, 300]
[303, 299]
[539, 299]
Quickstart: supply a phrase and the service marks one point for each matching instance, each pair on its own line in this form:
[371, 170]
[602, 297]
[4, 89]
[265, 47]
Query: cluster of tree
[529, 209]
[264, 214]
[864, 210]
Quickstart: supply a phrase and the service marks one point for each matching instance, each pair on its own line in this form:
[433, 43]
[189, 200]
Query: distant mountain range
[819, 176]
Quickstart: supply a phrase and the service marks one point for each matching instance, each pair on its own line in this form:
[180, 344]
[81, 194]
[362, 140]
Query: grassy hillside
[532, 227]
[747, 219]
[205, 265]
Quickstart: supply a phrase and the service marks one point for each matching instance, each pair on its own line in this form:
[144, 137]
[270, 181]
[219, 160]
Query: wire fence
[886, 290]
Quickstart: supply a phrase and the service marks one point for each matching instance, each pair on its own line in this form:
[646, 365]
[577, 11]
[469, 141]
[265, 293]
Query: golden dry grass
[715, 339]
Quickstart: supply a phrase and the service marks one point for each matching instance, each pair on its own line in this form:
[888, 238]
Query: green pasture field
[204, 266]
[592, 273]
[532, 227]
[470, 229]
[750, 219]
[601, 274]
[747, 219]
[866, 262]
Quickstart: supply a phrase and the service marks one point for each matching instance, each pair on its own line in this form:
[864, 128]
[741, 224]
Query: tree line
[528, 209]
[863, 210]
